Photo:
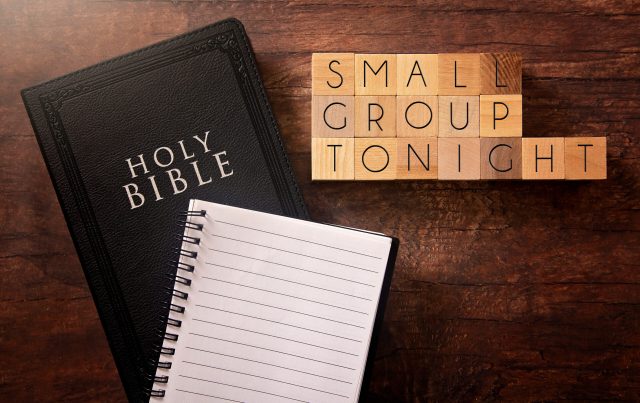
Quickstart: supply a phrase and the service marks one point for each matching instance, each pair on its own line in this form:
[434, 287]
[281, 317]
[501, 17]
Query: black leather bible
[128, 142]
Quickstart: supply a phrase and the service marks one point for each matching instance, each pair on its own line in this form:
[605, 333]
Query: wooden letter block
[375, 74]
[417, 116]
[500, 115]
[332, 74]
[417, 74]
[375, 116]
[459, 74]
[375, 159]
[543, 158]
[332, 159]
[501, 73]
[585, 157]
[417, 158]
[333, 116]
[459, 116]
[459, 158]
[501, 158]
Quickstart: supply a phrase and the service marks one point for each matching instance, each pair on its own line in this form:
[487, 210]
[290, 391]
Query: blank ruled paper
[278, 310]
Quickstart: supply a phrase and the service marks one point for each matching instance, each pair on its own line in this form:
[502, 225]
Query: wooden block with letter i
[417, 158]
[500, 115]
[501, 158]
[459, 158]
[332, 116]
[543, 158]
[332, 159]
[375, 158]
[501, 73]
[585, 157]
[332, 74]
[375, 74]
[459, 74]
[417, 74]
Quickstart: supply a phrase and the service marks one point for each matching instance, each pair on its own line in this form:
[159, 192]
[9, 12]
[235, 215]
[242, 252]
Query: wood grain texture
[520, 291]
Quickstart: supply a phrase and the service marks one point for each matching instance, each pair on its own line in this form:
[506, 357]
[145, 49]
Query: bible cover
[129, 141]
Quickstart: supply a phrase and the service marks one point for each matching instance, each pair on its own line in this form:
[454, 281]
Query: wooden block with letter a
[501, 73]
[332, 74]
[375, 158]
[417, 158]
[459, 74]
[417, 74]
[375, 74]
[501, 115]
[585, 157]
[501, 158]
[332, 158]
[543, 158]
[459, 158]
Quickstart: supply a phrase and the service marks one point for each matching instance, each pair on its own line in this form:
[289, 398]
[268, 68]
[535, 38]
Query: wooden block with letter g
[459, 74]
[332, 158]
[500, 115]
[417, 74]
[375, 74]
[417, 158]
[459, 158]
[332, 74]
[459, 116]
[501, 158]
[585, 157]
[332, 116]
[375, 158]
[501, 73]
[543, 158]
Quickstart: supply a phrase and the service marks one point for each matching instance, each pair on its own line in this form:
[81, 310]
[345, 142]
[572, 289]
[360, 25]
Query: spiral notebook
[268, 308]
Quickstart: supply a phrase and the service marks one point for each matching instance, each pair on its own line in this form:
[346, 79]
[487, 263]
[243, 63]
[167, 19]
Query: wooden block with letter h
[434, 116]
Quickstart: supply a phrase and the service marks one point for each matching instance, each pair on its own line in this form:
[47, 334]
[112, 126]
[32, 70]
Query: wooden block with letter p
[501, 158]
[375, 74]
[585, 157]
[459, 158]
[543, 158]
[332, 74]
[459, 74]
[417, 158]
[375, 158]
[501, 73]
[332, 158]
[500, 115]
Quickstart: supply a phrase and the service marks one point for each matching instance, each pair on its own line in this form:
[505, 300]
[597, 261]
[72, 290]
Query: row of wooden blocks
[573, 158]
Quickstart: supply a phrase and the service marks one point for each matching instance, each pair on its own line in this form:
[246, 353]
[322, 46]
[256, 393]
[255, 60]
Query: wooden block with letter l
[332, 74]
[332, 116]
[332, 158]
[417, 116]
[459, 74]
[501, 115]
[417, 74]
[543, 158]
[375, 116]
[417, 158]
[375, 158]
[501, 158]
[459, 116]
[501, 73]
[375, 74]
[585, 157]
[459, 158]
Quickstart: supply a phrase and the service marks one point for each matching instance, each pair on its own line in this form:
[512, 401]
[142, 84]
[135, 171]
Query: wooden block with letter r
[332, 74]
[501, 73]
[585, 157]
[332, 158]
[375, 116]
[543, 158]
[375, 158]
[375, 74]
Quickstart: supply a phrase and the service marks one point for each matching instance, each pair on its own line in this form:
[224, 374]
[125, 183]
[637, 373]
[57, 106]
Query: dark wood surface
[519, 291]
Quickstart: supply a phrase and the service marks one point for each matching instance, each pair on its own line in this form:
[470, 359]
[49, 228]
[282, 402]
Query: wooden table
[503, 290]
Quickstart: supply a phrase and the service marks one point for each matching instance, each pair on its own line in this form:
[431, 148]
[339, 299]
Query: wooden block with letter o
[375, 74]
[459, 116]
[501, 73]
[375, 116]
[417, 116]
[501, 158]
[459, 158]
[332, 74]
[459, 74]
[417, 74]
[543, 158]
[333, 116]
[375, 158]
[500, 115]
[332, 158]
[417, 158]
[585, 157]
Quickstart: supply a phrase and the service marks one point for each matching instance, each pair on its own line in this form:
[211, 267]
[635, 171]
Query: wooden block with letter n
[332, 158]
[375, 74]
[500, 115]
[459, 74]
[501, 158]
[375, 158]
[543, 158]
[459, 158]
[332, 116]
[459, 116]
[417, 158]
[501, 73]
[585, 157]
[417, 74]
[332, 74]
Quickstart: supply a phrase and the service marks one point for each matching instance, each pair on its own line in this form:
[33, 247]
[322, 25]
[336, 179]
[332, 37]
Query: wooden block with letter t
[417, 158]
[375, 158]
[501, 158]
[332, 158]
[543, 158]
[501, 115]
[417, 74]
[459, 158]
[459, 74]
[585, 157]
[501, 73]
[375, 74]
[332, 74]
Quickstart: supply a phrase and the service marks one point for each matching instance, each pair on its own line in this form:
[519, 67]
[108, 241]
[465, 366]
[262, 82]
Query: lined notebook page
[278, 310]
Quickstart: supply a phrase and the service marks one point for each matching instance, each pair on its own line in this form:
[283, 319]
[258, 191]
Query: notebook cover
[154, 108]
